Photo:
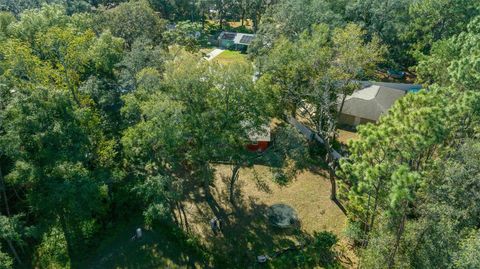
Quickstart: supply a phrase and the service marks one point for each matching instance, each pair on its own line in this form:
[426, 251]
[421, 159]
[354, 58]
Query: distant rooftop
[237, 38]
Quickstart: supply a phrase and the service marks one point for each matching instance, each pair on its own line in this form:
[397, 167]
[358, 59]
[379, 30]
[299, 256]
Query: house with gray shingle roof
[372, 101]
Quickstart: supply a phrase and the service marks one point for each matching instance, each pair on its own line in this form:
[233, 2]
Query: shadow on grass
[248, 234]
[163, 247]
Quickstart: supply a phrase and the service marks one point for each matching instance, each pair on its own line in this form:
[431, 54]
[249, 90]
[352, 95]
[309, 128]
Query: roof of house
[237, 38]
[398, 86]
[372, 101]
[243, 39]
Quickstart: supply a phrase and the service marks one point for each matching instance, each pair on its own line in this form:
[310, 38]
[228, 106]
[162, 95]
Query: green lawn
[231, 57]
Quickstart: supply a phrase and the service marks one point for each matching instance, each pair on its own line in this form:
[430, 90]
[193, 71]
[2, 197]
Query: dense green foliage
[411, 181]
[108, 112]
[409, 28]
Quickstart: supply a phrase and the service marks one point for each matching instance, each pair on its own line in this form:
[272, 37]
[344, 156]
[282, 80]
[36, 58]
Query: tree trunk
[220, 14]
[179, 214]
[7, 209]
[4, 193]
[331, 168]
[375, 206]
[233, 180]
[182, 210]
[374, 211]
[400, 230]
[172, 211]
[293, 111]
[342, 104]
[254, 21]
[69, 240]
[243, 16]
[333, 183]
[14, 251]
[368, 226]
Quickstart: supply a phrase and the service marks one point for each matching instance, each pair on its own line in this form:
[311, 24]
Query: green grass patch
[231, 57]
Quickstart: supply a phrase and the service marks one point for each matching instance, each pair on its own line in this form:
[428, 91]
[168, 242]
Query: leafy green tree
[177, 10]
[414, 146]
[67, 53]
[11, 232]
[143, 54]
[133, 20]
[254, 9]
[312, 73]
[197, 107]
[435, 237]
[458, 186]
[53, 143]
[466, 257]
[452, 61]
[290, 19]
[34, 23]
[433, 20]
[385, 19]
[157, 158]
[186, 34]
[17, 7]
[354, 58]
[6, 19]
[5, 261]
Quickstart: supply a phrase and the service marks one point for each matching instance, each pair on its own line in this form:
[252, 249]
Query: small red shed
[260, 139]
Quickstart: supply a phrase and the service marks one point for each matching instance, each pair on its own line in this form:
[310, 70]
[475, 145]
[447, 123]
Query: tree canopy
[110, 113]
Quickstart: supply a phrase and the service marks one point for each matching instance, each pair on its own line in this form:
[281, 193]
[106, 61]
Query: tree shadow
[249, 234]
[161, 247]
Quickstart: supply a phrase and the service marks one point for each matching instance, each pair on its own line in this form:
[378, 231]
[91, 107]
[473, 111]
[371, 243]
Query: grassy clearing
[344, 136]
[246, 232]
[231, 57]
[309, 194]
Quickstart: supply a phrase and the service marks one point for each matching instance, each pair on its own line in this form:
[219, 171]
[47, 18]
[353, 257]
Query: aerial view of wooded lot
[240, 134]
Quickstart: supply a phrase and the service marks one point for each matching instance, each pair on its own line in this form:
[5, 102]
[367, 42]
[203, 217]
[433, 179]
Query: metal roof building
[231, 40]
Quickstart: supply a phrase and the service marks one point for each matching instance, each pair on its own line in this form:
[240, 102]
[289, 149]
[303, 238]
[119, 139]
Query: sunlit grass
[231, 57]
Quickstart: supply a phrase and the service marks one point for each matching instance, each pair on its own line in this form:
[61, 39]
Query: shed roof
[262, 133]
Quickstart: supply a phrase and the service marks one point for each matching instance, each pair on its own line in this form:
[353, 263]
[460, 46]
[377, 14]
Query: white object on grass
[139, 233]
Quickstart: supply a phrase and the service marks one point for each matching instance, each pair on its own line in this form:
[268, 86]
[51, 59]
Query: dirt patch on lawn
[345, 135]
